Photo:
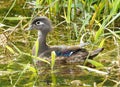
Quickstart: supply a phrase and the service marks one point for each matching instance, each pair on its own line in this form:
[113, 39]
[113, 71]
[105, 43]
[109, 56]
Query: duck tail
[95, 53]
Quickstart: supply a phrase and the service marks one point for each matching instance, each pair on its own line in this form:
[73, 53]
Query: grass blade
[96, 64]
[112, 32]
[53, 56]
[36, 48]
[10, 49]
[98, 34]
[93, 70]
[37, 58]
[101, 43]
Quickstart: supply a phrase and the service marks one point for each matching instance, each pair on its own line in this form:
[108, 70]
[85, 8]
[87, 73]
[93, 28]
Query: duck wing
[81, 55]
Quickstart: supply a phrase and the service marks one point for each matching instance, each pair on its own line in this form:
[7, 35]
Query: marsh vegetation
[96, 22]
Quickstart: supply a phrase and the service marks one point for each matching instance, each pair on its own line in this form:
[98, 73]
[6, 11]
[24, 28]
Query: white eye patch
[39, 23]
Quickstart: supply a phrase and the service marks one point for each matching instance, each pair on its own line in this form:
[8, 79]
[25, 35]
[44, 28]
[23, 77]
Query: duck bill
[29, 28]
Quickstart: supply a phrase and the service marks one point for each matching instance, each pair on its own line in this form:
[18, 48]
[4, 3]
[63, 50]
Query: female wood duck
[66, 54]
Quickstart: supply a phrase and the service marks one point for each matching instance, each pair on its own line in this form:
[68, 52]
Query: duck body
[66, 54]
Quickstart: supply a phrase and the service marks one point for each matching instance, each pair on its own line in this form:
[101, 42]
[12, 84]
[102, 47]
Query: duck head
[42, 24]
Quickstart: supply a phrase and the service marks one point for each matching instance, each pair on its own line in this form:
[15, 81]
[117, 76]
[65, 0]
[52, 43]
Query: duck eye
[39, 23]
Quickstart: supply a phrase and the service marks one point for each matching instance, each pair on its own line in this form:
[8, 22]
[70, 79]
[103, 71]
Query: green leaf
[98, 34]
[16, 18]
[97, 64]
[37, 2]
[113, 19]
[53, 56]
[17, 48]
[101, 43]
[36, 47]
[37, 58]
[69, 10]
[10, 49]
[112, 32]
[31, 68]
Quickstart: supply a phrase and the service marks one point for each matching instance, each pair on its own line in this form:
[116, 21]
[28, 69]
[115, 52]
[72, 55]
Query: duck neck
[42, 41]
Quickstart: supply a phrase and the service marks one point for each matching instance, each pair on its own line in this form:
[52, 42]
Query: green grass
[74, 21]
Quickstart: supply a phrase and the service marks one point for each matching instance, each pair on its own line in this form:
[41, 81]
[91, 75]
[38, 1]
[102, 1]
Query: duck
[64, 54]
